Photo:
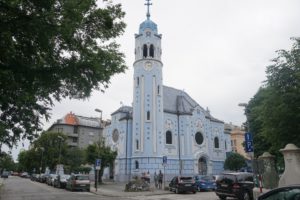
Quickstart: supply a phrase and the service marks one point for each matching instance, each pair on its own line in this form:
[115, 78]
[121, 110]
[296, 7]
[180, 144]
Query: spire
[148, 4]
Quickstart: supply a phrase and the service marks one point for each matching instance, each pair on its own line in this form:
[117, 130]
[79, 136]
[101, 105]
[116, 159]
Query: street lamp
[60, 139]
[99, 111]
[42, 149]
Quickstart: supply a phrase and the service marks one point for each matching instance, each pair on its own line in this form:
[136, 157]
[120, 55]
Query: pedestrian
[148, 177]
[160, 179]
[155, 180]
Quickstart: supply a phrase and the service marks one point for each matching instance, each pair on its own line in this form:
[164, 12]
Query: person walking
[156, 180]
[160, 179]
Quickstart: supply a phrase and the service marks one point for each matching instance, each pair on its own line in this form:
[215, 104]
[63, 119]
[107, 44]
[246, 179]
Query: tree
[98, 150]
[28, 161]
[6, 162]
[274, 112]
[234, 162]
[50, 50]
[73, 159]
[276, 106]
[53, 146]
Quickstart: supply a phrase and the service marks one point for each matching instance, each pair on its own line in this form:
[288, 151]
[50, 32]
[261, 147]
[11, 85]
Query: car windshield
[228, 178]
[207, 178]
[82, 178]
[186, 179]
[65, 176]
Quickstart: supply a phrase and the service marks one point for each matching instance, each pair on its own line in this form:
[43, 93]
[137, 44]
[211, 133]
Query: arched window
[137, 144]
[151, 51]
[145, 51]
[137, 164]
[168, 137]
[216, 140]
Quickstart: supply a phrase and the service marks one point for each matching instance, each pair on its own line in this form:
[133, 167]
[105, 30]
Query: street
[16, 188]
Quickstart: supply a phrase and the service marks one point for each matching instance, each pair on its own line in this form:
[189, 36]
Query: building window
[137, 81]
[91, 134]
[151, 51]
[136, 164]
[158, 90]
[168, 137]
[75, 129]
[225, 145]
[216, 141]
[137, 144]
[74, 139]
[145, 51]
[148, 115]
[199, 138]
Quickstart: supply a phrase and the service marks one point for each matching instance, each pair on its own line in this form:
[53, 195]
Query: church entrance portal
[202, 166]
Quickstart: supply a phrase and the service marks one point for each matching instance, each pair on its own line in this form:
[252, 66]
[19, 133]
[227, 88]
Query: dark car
[181, 184]
[61, 181]
[78, 182]
[205, 183]
[238, 185]
[4, 174]
[288, 192]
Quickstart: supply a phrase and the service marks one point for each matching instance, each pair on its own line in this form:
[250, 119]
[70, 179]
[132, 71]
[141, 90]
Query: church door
[202, 166]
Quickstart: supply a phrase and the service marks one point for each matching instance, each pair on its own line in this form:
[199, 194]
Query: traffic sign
[98, 164]
[248, 136]
[248, 142]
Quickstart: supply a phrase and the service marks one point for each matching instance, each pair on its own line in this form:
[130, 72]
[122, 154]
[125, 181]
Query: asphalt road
[16, 188]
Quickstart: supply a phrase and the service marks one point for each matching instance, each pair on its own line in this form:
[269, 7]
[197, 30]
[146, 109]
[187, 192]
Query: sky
[215, 50]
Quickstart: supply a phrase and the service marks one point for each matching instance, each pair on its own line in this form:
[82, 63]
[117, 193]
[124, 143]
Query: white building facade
[163, 121]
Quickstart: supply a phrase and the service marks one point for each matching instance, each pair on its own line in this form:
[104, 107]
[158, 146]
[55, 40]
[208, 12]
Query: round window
[115, 135]
[199, 138]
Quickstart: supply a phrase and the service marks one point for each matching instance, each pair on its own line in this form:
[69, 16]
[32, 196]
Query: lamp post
[96, 170]
[99, 111]
[60, 139]
[42, 149]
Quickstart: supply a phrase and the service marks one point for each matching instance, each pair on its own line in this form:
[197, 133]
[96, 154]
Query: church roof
[123, 109]
[148, 24]
[178, 101]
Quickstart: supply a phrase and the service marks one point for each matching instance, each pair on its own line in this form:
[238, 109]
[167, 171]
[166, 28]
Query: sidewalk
[113, 189]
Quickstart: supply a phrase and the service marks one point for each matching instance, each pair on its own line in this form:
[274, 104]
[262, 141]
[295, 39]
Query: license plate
[82, 185]
[188, 185]
[224, 185]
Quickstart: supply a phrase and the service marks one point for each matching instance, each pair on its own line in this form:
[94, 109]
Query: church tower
[147, 92]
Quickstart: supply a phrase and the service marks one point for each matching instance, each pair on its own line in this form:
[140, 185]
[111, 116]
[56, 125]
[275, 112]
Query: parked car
[181, 184]
[4, 174]
[61, 181]
[238, 185]
[78, 182]
[205, 183]
[50, 179]
[288, 192]
[25, 175]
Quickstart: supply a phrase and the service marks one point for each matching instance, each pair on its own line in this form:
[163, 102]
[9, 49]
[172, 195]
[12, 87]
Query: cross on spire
[148, 4]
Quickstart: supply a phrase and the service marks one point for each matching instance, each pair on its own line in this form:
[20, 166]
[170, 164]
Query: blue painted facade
[163, 121]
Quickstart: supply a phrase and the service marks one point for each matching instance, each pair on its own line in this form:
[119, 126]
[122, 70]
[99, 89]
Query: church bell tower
[148, 90]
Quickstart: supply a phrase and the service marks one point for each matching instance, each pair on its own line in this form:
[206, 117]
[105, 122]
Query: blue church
[165, 129]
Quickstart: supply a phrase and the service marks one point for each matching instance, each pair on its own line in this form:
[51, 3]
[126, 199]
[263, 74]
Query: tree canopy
[274, 112]
[235, 162]
[50, 50]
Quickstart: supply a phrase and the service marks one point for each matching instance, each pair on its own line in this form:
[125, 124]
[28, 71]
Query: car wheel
[246, 196]
[222, 197]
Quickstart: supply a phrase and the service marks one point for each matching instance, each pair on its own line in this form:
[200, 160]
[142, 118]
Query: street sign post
[97, 168]
[248, 142]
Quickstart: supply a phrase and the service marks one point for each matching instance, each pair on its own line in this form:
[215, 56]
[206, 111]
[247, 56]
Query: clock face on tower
[148, 66]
